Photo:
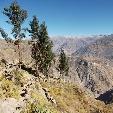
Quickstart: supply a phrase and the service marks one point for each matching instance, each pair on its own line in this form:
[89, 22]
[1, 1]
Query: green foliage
[45, 45]
[33, 108]
[5, 35]
[16, 17]
[18, 78]
[41, 46]
[8, 89]
[34, 28]
[63, 63]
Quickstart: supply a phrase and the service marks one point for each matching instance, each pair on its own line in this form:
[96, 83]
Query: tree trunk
[19, 55]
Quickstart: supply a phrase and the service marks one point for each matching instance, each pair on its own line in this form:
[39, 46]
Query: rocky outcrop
[94, 76]
[11, 105]
[97, 75]
[49, 97]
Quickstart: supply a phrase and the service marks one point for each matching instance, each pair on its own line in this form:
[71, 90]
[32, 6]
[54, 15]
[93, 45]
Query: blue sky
[68, 17]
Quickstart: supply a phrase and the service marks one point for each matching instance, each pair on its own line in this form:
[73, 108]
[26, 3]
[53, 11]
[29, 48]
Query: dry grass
[71, 99]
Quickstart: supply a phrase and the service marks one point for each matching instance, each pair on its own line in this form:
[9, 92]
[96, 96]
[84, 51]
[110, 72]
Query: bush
[33, 108]
[8, 89]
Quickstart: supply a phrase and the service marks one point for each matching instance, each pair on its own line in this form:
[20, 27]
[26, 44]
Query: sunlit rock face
[93, 65]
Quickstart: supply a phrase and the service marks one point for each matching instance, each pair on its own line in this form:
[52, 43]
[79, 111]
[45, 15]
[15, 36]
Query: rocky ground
[21, 92]
[83, 91]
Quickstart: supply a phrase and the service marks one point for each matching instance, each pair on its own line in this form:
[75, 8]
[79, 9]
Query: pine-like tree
[63, 63]
[41, 46]
[34, 33]
[16, 17]
[45, 45]
[34, 29]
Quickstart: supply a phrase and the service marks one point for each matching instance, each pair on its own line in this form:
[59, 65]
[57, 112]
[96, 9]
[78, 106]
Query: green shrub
[18, 77]
[33, 108]
[8, 89]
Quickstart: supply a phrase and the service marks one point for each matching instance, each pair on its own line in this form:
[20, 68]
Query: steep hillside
[9, 52]
[90, 75]
[94, 74]
[21, 92]
[92, 65]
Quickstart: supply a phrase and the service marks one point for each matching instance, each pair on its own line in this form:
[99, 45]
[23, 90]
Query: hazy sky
[68, 17]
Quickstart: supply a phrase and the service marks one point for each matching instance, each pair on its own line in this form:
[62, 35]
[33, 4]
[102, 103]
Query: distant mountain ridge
[102, 47]
[71, 44]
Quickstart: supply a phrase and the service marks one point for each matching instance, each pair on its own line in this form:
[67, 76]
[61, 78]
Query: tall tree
[16, 17]
[34, 33]
[41, 47]
[63, 63]
[45, 45]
